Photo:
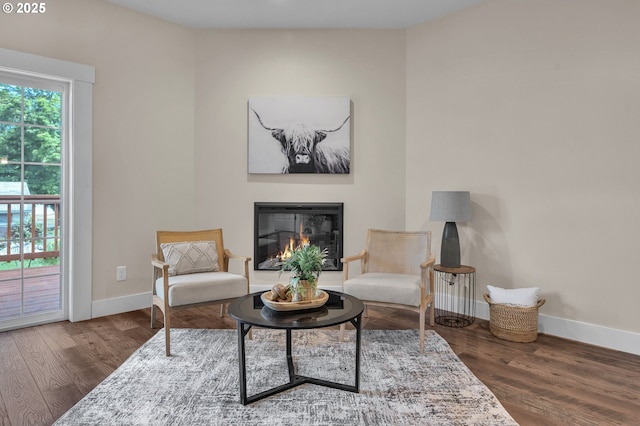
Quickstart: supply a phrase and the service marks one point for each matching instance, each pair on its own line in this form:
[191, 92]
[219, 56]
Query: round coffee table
[249, 311]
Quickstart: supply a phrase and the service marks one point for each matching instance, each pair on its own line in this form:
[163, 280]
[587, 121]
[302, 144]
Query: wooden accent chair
[190, 269]
[396, 271]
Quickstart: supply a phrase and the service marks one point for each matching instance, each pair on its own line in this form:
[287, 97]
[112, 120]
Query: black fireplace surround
[279, 227]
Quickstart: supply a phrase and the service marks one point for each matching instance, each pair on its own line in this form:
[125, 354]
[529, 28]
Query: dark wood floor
[44, 370]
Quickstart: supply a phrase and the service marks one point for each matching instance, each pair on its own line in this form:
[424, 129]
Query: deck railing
[40, 226]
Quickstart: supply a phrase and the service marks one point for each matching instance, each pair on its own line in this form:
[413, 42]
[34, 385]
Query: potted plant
[305, 266]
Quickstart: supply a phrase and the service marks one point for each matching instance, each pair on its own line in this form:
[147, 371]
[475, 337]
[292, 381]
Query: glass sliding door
[32, 135]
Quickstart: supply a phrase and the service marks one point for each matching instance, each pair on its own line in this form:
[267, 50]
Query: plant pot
[302, 291]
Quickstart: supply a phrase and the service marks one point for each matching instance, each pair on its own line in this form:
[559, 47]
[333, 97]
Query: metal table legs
[294, 379]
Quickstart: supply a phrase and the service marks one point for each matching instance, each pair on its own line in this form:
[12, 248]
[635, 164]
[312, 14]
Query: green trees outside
[30, 146]
[41, 131]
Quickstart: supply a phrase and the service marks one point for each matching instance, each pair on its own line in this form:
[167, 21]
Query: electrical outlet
[121, 273]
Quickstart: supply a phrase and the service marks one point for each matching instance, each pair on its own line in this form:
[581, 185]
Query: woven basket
[513, 323]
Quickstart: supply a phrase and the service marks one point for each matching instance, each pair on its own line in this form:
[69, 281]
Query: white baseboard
[611, 338]
[620, 340]
[118, 305]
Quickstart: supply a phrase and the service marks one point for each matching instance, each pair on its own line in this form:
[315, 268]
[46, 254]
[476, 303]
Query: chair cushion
[382, 287]
[190, 257]
[203, 287]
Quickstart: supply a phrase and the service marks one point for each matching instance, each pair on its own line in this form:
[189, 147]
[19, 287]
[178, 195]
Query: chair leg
[221, 310]
[342, 327]
[432, 314]
[153, 315]
[167, 329]
[422, 319]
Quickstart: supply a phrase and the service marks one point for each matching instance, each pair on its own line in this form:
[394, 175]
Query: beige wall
[366, 66]
[143, 125]
[533, 107]
[534, 103]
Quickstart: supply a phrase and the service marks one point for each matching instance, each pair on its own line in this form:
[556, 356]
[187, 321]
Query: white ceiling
[297, 13]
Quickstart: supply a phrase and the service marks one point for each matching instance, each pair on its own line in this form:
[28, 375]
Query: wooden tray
[320, 300]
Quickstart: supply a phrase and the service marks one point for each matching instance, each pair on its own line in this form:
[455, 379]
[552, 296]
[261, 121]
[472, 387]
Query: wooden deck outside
[39, 226]
[36, 220]
[41, 291]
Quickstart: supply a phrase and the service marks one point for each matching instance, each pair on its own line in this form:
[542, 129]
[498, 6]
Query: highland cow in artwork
[297, 128]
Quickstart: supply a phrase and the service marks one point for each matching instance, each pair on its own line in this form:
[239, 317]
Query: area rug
[198, 384]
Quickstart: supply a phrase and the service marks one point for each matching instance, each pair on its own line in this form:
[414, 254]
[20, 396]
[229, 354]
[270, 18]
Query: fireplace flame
[286, 254]
[304, 240]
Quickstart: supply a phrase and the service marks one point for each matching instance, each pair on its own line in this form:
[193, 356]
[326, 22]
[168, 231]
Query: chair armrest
[428, 263]
[359, 256]
[164, 267]
[245, 260]
[346, 260]
[230, 255]
[425, 266]
[157, 263]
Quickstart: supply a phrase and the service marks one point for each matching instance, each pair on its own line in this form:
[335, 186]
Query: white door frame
[77, 242]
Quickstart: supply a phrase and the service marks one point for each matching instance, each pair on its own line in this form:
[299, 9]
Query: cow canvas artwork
[299, 135]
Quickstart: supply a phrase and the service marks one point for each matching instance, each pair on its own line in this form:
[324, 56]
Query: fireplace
[279, 227]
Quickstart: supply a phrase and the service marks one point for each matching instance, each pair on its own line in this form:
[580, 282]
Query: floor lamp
[450, 207]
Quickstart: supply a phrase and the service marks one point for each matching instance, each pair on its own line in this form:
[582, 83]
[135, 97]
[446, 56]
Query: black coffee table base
[294, 379]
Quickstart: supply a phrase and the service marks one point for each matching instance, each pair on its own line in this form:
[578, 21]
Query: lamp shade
[450, 206]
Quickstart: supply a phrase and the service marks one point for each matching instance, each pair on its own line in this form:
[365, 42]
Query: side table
[455, 291]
